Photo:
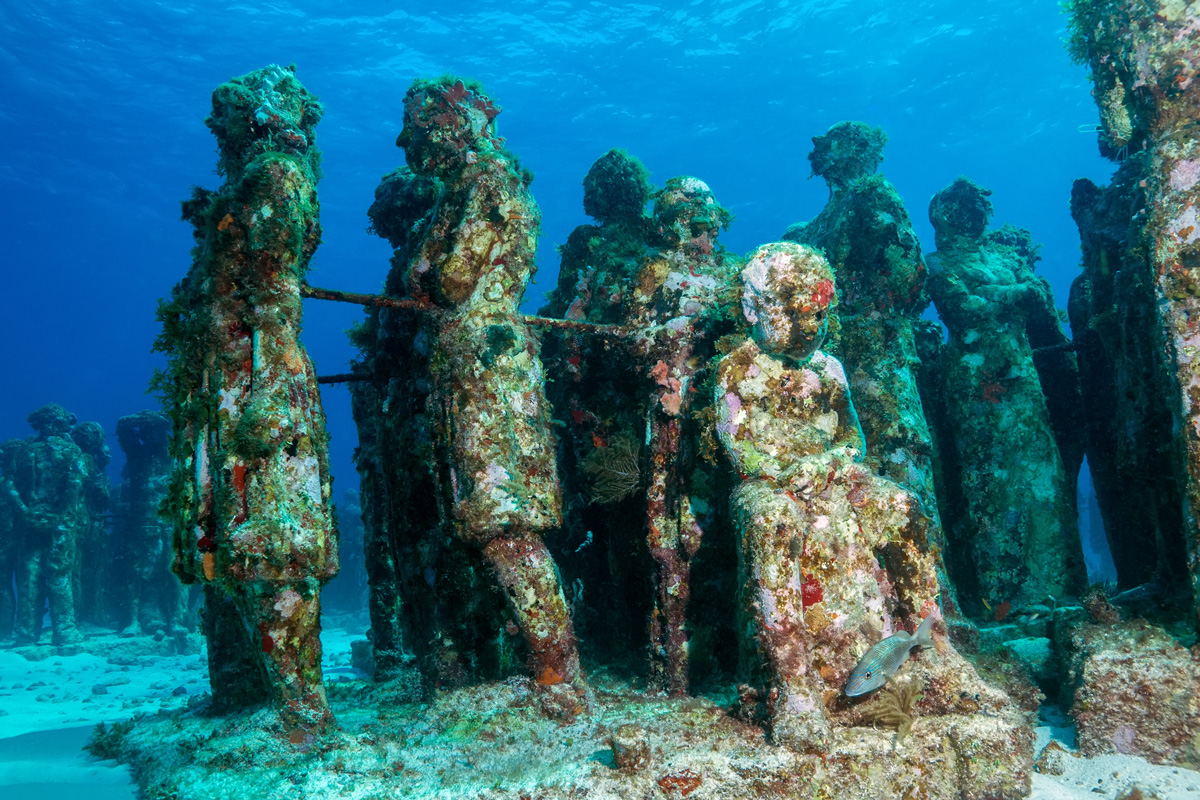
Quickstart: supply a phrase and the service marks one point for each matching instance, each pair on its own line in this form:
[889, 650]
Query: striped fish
[884, 659]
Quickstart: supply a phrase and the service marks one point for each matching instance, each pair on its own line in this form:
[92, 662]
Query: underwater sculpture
[90, 583]
[496, 469]
[49, 472]
[153, 599]
[12, 531]
[599, 406]
[436, 617]
[1019, 511]
[250, 490]
[786, 421]
[866, 234]
[676, 296]
[837, 557]
[1144, 61]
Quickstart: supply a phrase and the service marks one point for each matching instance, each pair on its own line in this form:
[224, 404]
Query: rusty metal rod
[384, 301]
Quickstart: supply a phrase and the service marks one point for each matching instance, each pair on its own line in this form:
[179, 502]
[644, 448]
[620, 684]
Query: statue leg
[527, 575]
[60, 575]
[285, 621]
[772, 531]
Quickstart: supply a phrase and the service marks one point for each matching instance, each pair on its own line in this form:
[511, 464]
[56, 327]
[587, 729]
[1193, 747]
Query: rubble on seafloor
[491, 741]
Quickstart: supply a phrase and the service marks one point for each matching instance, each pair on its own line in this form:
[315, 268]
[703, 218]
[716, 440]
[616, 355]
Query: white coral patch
[288, 602]
[1187, 221]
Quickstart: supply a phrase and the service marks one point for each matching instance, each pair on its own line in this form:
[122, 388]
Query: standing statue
[157, 601]
[250, 492]
[49, 473]
[494, 450]
[867, 235]
[1020, 516]
[12, 533]
[93, 562]
[673, 301]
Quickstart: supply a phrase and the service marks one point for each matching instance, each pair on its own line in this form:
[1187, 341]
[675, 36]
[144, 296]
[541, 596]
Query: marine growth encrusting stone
[866, 234]
[836, 557]
[1020, 521]
[1144, 59]
[250, 491]
[495, 468]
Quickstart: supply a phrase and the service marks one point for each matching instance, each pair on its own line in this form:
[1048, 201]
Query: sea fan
[615, 470]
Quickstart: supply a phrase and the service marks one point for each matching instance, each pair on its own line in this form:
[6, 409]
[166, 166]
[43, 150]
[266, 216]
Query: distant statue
[93, 564]
[836, 556]
[495, 452]
[12, 533]
[157, 601]
[1019, 507]
[49, 472]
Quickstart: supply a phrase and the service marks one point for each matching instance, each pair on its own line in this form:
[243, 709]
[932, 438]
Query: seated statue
[836, 557]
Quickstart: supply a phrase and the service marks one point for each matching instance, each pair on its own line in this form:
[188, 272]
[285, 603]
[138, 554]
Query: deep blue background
[101, 135]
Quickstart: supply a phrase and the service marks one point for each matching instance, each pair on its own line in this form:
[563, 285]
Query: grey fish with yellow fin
[884, 659]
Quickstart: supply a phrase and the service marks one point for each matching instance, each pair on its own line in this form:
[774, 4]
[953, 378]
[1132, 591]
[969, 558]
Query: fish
[884, 659]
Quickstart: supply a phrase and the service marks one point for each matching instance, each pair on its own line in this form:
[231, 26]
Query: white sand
[48, 708]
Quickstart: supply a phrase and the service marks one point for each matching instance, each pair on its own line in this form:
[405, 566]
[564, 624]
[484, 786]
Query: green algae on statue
[866, 234]
[1020, 520]
[496, 469]
[436, 618]
[250, 491]
[1144, 59]
[837, 557]
[154, 601]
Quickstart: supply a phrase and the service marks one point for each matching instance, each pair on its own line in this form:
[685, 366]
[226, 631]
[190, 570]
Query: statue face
[788, 293]
[687, 213]
[443, 125]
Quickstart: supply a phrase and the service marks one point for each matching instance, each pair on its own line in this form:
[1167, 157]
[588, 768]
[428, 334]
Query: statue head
[447, 122]
[89, 436]
[616, 188]
[267, 110]
[52, 420]
[847, 151]
[960, 211]
[687, 215]
[787, 295]
[146, 433]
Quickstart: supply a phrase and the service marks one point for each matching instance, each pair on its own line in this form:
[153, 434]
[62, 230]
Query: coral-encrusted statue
[156, 599]
[496, 465]
[1019, 511]
[49, 473]
[680, 290]
[813, 519]
[866, 234]
[250, 493]
[93, 557]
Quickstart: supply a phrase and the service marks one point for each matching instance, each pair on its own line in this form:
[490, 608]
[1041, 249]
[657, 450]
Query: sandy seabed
[49, 707]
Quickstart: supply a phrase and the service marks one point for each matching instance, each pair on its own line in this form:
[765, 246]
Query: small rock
[179, 691]
[99, 688]
[44, 698]
[1052, 761]
[631, 751]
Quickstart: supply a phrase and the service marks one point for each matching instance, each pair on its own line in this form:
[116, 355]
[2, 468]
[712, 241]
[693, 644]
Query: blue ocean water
[102, 134]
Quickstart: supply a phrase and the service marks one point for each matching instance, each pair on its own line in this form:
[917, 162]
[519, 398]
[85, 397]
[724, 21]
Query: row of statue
[73, 546]
[683, 446]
